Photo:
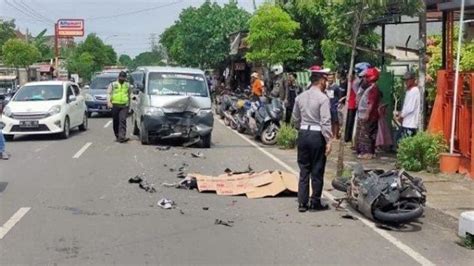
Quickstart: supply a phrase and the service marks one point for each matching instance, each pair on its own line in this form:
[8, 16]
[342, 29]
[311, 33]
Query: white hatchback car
[46, 107]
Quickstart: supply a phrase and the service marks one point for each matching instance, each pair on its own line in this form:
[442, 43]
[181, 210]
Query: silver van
[171, 102]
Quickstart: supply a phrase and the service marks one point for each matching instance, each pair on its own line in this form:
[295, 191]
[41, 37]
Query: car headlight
[7, 111]
[89, 98]
[204, 112]
[154, 111]
[54, 110]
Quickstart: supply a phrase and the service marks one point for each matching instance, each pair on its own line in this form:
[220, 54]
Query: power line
[25, 13]
[32, 11]
[135, 11]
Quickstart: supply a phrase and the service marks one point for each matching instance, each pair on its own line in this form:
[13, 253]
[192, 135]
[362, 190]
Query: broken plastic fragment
[197, 154]
[225, 223]
[163, 148]
[166, 203]
[136, 179]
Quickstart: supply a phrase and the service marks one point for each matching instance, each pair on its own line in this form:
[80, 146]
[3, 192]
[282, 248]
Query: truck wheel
[144, 138]
[206, 141]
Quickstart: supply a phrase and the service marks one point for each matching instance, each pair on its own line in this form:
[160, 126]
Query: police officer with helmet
[312, 117]
[119, 100]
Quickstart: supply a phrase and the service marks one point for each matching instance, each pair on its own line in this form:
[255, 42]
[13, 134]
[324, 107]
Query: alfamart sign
[70, 28]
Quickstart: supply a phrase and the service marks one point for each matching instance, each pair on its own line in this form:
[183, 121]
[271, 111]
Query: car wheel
[135, 130]
[206, 141]
[85, 123]
[144, 138]
[9, 137]
[89, 114]
[66, 129]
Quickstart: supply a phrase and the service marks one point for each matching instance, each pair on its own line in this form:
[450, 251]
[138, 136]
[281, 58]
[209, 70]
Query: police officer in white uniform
[312, 117]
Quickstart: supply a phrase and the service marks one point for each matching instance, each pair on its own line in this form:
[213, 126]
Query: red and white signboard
[70, 28]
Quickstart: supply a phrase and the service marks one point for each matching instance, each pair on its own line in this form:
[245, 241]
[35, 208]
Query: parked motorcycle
[264, 120]
[393, 197]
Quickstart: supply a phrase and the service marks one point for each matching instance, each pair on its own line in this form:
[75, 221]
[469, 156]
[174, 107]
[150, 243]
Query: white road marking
[82, 150]
[12, 221]
[409, 251]
[108, 124]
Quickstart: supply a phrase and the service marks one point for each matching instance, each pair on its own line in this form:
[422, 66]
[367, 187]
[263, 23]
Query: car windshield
[101, 83]
[167, 84]
[39, 93]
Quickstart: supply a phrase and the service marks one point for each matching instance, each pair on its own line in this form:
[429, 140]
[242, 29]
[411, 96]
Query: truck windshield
[169, 84]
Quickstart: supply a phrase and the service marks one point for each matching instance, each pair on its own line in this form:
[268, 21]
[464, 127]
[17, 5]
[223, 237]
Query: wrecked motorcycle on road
[393, 197]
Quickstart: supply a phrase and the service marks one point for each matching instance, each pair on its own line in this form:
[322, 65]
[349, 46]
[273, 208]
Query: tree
[272, 36]
[40, 43]
[154, 58]
[91, 52]
[81, 64]
[199, 37]
[103, 54]
[18, 53]
[126, 60]
[7, 31]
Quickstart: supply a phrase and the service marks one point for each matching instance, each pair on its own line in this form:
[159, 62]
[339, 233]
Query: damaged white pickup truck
[170, 102]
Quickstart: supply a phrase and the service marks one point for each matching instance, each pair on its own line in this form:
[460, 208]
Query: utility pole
[254, 5]
[56, 49]
[422, 62]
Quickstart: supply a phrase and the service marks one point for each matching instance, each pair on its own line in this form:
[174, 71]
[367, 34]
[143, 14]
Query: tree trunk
[355, 35]
[422, 63]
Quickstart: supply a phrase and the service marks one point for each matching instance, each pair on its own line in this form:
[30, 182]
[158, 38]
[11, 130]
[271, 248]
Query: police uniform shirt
[312, 108]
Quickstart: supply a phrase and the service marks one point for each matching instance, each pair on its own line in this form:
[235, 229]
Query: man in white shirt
[410, 114]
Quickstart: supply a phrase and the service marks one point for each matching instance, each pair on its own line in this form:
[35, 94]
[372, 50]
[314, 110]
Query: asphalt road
[84, 211]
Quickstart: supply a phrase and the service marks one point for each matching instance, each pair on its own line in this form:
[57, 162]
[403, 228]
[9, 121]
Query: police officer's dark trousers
[312, 162]
[119, 118]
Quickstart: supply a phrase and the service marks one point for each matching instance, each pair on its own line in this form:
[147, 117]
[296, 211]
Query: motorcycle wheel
[269, 134]
[407, 212]
[233, 125]
[226, 121]
[339, 184]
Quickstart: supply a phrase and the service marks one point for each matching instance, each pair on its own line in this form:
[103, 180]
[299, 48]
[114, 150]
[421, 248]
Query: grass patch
[286, 138]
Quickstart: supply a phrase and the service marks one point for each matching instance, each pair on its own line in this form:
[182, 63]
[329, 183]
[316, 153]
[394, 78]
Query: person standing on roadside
[119, 100]
[410, 114]
[292, 91]
[333, 92]
[313, 119]
[257, 85]
[279, 84]
[3, 154]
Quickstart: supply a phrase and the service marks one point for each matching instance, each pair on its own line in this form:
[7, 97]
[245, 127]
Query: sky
[129, 33]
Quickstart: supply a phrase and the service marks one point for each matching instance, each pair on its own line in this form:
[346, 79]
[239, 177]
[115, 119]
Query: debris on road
[247, 171]
[205, 208]
[253, 185]
[166, 204]
[187, 183]
[135, 180]
[197, 155]
[191, 142]
[142, 183]
[225, 223]
[350, 217]
[181, 175]
[163, 148]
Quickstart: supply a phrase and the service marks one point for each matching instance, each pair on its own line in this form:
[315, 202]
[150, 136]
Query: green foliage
[272, 36]
[81, 64]
[126, 60]
[286, 137]
[468, 241]
[154, 58]
[421, 152]
[18, 53]
[199, 37]
[90, 56]
[40, 42]
[435, 51]
[7, 31]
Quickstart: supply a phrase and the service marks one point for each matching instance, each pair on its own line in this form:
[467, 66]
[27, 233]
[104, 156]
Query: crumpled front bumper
[185, 125]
